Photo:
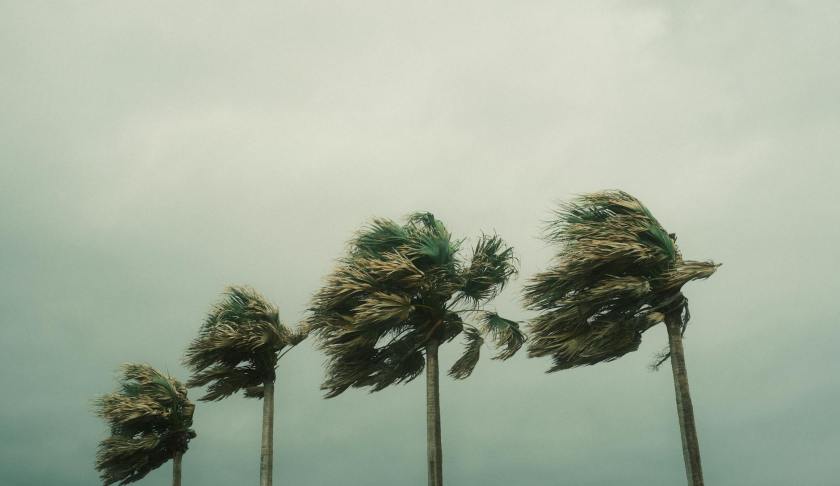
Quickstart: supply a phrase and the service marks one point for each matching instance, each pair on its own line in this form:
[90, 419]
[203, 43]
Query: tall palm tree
[617, 273]
[237, 348]
[396, 296]
[150, 419]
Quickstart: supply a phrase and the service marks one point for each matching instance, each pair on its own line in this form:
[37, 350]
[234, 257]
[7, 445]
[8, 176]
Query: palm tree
[150, 418]
[237, 348]
[396, 296]
[617, 273]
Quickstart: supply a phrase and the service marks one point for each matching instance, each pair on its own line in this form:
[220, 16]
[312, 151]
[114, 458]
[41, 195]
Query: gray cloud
[151, 154]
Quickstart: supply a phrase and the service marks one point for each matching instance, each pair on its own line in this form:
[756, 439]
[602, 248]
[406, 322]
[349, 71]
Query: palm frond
[588, 343]
[472, 351]
[452, 325]
[242, 304]
[380, 237]
[392, 293]
[125, 460]
[356, 277]
[504, 332]
[673, 279]
[614, 266]
[380, 307]
[430, 244]
[223, 381]
[238, 345]
[149, 416]
[300, 333]
[492, 265]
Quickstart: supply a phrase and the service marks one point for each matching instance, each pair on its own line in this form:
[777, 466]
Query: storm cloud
[153, 152]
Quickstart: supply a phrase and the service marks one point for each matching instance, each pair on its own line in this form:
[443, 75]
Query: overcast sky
[153, 152]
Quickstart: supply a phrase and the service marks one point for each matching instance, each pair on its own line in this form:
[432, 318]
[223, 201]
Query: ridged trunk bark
[267, 448]
[176, 468]
[433, 446]
[685, 411]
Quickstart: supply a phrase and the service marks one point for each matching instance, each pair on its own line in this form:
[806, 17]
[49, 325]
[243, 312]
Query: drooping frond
[392, 293]
[504, 332]
[472, 351]
[238, 345]
[615, 271]
[600, 339]
[125, 460]
[149, 417]
[223, 381]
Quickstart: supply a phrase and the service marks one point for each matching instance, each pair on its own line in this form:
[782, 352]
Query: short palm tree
[150, 419]
[617, 273]
[396, 296]
[237, 349]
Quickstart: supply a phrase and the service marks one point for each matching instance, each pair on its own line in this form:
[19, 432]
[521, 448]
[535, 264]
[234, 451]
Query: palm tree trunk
[685, 411]
[176, 468]
[267, 449]
[435, 452]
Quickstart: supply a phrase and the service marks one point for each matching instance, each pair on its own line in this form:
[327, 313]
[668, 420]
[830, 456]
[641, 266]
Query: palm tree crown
[616, 274]
[238, 345]
[150, 419]
[400, 287]
[237, 348]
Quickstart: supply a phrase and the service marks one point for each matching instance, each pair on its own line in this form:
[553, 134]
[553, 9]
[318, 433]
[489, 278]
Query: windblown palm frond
[238, 345]
[472, 351]
[397, 288]
[505, 333]
[150, 419]
[491, 266]
[616, 273]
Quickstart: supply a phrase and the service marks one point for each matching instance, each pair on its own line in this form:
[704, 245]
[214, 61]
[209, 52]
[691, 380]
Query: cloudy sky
[153, 152]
